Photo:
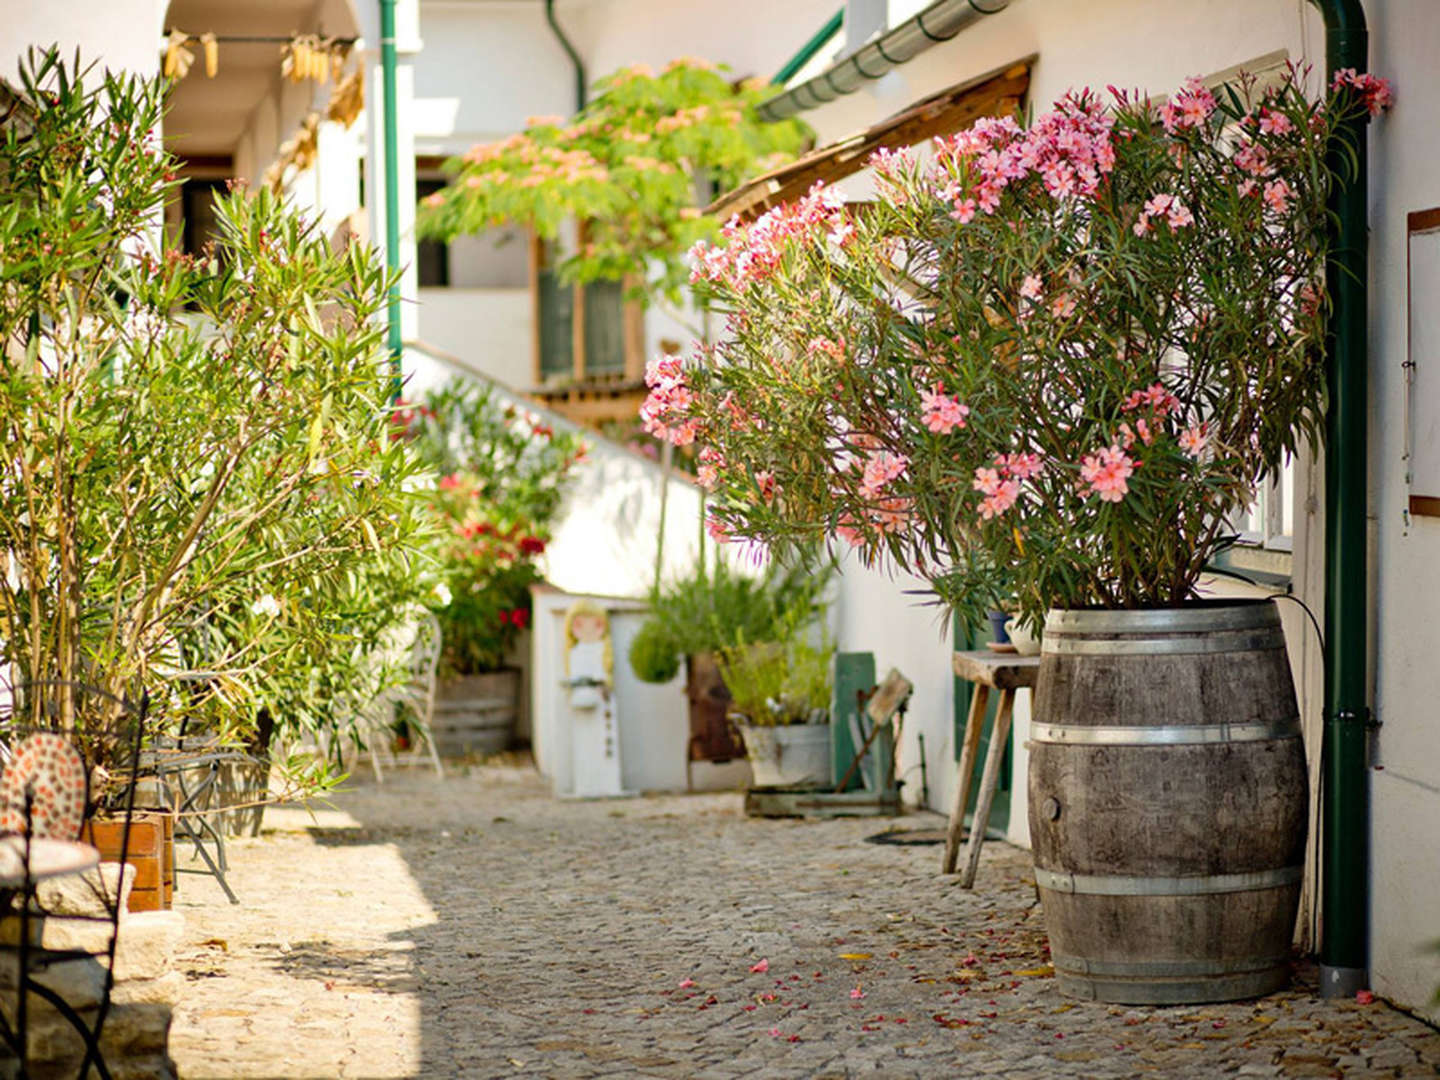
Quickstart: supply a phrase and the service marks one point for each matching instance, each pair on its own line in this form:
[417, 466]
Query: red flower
[544, 430]
[532, 545]
[451, 482]
[520, 617]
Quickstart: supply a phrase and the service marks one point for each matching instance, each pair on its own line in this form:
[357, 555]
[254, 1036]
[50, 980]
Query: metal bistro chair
[45, 793]
[188, 768]
[416, 695]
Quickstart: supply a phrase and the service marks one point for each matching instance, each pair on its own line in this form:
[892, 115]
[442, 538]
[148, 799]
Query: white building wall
[1405, 784]
[489, 327]
[123, 35]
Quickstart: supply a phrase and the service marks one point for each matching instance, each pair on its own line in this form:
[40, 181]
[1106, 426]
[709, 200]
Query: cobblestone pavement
[475, 927]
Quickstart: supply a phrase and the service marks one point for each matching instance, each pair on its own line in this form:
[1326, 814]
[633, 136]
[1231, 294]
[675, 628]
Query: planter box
[152, 853]
[788, 755]
[475, 714]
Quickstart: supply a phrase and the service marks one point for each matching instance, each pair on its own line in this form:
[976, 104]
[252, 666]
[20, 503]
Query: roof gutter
[1345, 830]
[941, 21]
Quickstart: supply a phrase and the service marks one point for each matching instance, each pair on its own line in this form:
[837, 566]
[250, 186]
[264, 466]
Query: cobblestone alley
[476, 927]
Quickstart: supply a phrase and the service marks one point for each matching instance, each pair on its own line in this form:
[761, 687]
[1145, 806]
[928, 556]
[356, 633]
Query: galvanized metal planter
[1168, 802]
[788, 755]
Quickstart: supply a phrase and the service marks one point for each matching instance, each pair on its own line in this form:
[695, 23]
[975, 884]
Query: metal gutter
[807, 51]
[941, 21]
[581, 88]
[392, 194]
[1345, 836]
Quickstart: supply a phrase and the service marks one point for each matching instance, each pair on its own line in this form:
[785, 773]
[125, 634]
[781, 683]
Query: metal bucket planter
[787, 755]
[475, 714]
[1168, 802]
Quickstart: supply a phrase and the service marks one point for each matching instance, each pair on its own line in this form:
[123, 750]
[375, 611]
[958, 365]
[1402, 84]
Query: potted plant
[780, 701]
[205, 466]
[501, 473]
[693, 618]
[1072, 351]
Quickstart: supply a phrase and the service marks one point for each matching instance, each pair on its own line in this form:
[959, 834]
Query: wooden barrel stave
[1122, 801]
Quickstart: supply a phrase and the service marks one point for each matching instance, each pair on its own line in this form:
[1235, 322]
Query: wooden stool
[1006, 672]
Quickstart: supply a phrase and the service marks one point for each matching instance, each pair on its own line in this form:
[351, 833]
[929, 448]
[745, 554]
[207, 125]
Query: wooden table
[988, 670]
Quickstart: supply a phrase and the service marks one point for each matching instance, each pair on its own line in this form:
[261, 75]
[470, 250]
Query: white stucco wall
[488, 65]
[124, 35]
[491, 328]
[1405, 785]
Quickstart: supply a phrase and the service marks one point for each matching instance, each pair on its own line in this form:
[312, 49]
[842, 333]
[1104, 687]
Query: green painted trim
[392, 193]
[818, 41]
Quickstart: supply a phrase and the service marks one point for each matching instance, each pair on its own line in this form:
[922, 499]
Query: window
[432, 257]
[595, 317]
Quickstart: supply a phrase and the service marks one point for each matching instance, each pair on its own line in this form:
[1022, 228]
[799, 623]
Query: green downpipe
[1345, 855]
[581, 89]
[809, 49]
[392, 193]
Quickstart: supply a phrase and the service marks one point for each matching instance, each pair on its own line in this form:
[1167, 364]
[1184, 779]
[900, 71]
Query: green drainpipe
[809, 49]
[1345, 897]
[579, 65]
[392, 193]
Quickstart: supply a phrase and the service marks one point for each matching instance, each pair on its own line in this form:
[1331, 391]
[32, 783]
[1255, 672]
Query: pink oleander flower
[720, 533]
[1106, 472]
[1019, 466]
[964, 211]
[707, 473]
[1031, 287]
[1193, 440]
[999, 500]
[881, 469]
[1160, 400]
[891, 515]
[765, 481]
[1275, 123]
[986, 480]
[846, 529]
[1377, 93]
[1277, 195]
[942, 413]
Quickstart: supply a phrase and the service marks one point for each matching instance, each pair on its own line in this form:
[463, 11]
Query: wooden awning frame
[997, 93]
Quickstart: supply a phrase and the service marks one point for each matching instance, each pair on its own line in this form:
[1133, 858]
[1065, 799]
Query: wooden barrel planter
[475, 714]
[1168, 802]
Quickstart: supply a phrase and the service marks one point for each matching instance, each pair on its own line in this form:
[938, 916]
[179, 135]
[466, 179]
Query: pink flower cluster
[1069, 150]
[750, 253]
[1001, 485]
[1377, 93]
[666, 409]
[1000, 493]
[1105, 472]
[1193, 440]
[1160, 400]
[942, 413]
[1191, 108]
[1169, 208]
[707, 473]
[881, 468]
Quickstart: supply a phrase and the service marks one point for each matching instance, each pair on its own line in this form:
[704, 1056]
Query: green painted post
[854, 674]
[392, 192]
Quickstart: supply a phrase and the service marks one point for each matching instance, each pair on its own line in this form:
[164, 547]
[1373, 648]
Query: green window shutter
[557, 319]
[605, 328]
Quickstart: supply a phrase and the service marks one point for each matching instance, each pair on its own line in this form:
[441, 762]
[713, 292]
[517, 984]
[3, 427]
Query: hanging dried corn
[212, 54]
[177, 57]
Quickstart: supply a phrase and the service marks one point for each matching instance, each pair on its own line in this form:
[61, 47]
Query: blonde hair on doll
[588, 608]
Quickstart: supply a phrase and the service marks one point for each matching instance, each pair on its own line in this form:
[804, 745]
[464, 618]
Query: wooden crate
[152, 853]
